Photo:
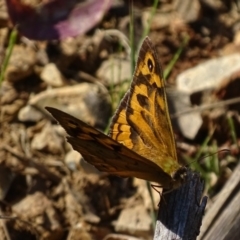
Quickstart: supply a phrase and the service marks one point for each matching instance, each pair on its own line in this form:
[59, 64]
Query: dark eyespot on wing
[148, 46]
[150, 65]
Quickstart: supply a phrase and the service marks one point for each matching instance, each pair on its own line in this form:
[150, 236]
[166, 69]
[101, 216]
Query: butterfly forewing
[146, 119]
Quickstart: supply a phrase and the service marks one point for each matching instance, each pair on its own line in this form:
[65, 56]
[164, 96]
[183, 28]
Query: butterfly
[141, 142]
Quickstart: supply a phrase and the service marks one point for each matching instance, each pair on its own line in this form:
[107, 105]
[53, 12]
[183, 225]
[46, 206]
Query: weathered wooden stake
[181, 211]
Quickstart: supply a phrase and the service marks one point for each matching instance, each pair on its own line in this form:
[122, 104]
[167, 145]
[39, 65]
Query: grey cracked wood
[181, 211]
[223, 216]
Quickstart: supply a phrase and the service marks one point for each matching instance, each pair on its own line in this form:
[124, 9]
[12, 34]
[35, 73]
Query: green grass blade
[176, 56]
[153, 11]
[11, 43]
[232, 130]
[133, 52]
[131, 33]
[153, 214]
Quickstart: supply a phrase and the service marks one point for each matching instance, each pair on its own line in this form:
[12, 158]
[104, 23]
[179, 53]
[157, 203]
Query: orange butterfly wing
[106, 154]
[142, 121]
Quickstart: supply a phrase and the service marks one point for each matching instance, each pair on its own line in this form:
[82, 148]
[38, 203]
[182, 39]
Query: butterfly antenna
[223, 150]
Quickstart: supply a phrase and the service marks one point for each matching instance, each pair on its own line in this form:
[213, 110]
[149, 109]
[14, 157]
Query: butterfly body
[141, 142]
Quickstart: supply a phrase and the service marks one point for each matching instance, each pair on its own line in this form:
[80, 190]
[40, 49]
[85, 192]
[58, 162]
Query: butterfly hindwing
[106, 154]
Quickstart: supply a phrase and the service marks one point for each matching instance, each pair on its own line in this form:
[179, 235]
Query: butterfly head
[179, 177]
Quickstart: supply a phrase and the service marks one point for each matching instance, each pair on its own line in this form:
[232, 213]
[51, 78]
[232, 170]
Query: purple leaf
[56, 19]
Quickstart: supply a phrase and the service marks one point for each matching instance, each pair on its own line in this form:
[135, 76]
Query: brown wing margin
[105, 153]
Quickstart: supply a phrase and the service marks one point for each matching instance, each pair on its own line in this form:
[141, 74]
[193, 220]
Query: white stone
[208, 74]
[52, 76]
